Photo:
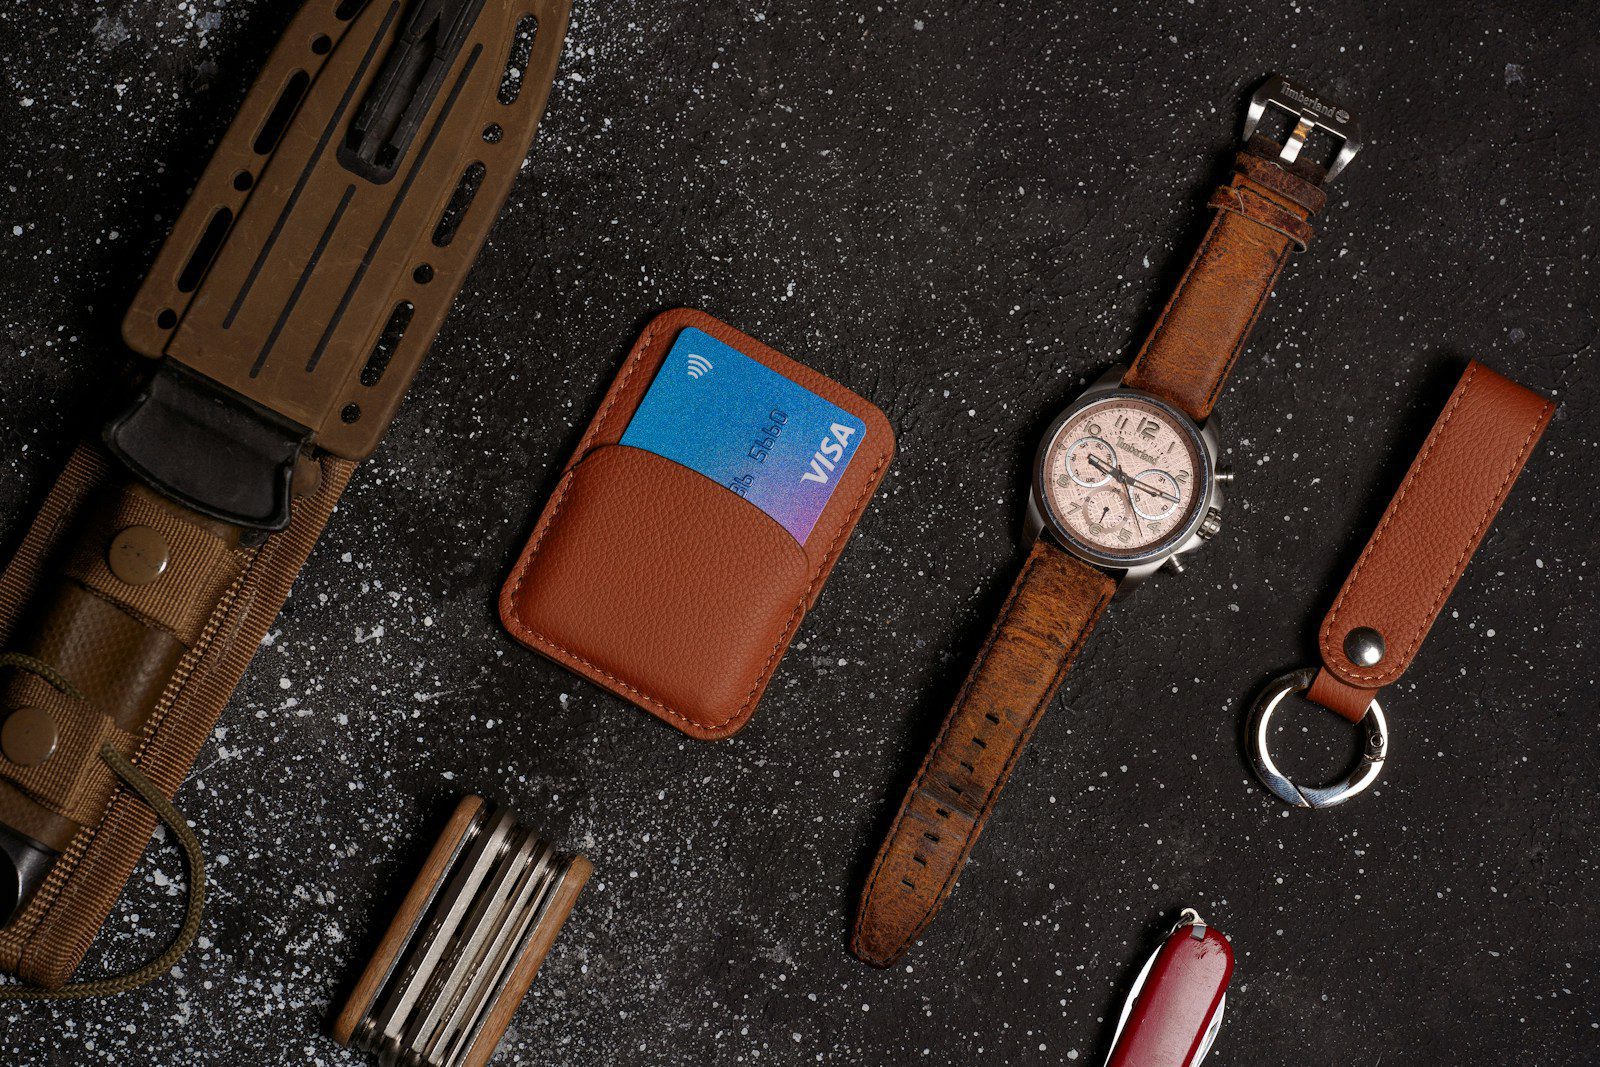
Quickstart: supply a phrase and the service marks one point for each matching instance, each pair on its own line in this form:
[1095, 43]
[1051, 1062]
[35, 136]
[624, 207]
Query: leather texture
[153, 694]
[1438, 517]
[658, 584]
[1052, 607]
[1181, 993]
[1262, 215]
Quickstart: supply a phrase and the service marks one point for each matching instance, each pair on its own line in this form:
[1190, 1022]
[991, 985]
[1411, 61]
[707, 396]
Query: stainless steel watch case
[1201, 525]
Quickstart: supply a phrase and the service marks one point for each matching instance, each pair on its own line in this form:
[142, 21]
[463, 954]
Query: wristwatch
[1126, 482]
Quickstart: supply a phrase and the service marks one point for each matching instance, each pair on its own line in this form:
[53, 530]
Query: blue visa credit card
[746, 427]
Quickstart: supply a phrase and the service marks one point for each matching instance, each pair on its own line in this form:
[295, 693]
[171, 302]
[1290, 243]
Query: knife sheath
[283, 320]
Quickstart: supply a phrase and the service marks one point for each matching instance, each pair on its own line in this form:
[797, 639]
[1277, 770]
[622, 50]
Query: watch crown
[1173, 565]
[1211, 524]
[1223, 474]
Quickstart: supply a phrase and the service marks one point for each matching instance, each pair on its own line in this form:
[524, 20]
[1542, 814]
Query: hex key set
[465, 944]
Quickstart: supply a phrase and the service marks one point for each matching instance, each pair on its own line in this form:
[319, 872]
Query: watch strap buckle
[1310, 112]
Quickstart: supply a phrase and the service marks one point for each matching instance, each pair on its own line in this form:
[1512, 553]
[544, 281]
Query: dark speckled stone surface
[966, 212]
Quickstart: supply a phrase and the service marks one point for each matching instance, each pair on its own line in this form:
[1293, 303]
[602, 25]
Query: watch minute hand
[1125, 478]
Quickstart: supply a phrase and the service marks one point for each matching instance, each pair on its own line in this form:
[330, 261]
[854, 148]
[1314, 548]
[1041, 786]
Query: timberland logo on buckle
[1308, 112]
[1338, 114]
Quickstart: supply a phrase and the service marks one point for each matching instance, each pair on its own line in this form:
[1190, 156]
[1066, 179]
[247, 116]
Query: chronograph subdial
[1089, 491]
[1090, 461]
[1155, 494]
[1105, 511]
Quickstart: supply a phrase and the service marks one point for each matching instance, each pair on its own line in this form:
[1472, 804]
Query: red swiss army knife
[1175, 1008]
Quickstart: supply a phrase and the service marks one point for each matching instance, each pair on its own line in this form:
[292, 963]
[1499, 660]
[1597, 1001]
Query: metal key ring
[1362, 775]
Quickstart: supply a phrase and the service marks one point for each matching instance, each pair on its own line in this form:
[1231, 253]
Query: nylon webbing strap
[194, 909]
[174, 821]
[45, 943]
[200, 570]
[60, 784]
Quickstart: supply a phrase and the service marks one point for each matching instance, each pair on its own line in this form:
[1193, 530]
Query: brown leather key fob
[1435, 522]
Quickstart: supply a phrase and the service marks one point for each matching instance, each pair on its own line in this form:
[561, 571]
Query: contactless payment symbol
[748, 427]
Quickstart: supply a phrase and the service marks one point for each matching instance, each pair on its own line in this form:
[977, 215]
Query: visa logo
[829, 453]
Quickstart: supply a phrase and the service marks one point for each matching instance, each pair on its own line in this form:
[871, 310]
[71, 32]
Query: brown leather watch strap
[1451, 494]
[1052, 607]
[1262, 215]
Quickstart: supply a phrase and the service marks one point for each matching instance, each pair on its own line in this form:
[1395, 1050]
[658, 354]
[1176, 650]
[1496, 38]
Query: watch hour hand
[1126, 479]
[1112, 469]
[1153, 491]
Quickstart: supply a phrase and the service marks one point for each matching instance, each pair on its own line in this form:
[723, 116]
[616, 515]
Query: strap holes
[931, 837]
[460, 201]
[243, 181]
[394, 331]
[917, 858]
[907, 883]
[969, 766]
[322, 44]
[348, 9]
[517, 61]
[956, 789]
[167, 319]
[492, 133]
[943, 814]
[278, 119]
[351, 413]
[980, 742]
[205, 250]
[992, 717]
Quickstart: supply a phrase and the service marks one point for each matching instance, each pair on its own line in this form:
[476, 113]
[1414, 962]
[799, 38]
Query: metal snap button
[1363, 646]
[138, 555]
[29, 737]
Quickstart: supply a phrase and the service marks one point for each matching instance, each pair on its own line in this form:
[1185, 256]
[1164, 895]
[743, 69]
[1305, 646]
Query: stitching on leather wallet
[521, 629]
[645, 341]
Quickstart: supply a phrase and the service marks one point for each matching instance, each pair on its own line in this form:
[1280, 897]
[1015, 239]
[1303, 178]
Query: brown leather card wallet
[664, 587]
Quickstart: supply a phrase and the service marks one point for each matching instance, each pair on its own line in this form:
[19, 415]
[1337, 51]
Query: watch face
[1123, 478]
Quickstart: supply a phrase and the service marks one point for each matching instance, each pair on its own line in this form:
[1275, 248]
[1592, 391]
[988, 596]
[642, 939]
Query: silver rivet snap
[1363, 646]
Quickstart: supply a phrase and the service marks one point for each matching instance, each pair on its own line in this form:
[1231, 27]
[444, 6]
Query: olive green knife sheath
[283, 318]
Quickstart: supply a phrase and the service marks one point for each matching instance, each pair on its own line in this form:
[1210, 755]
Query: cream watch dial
[1123, 477]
